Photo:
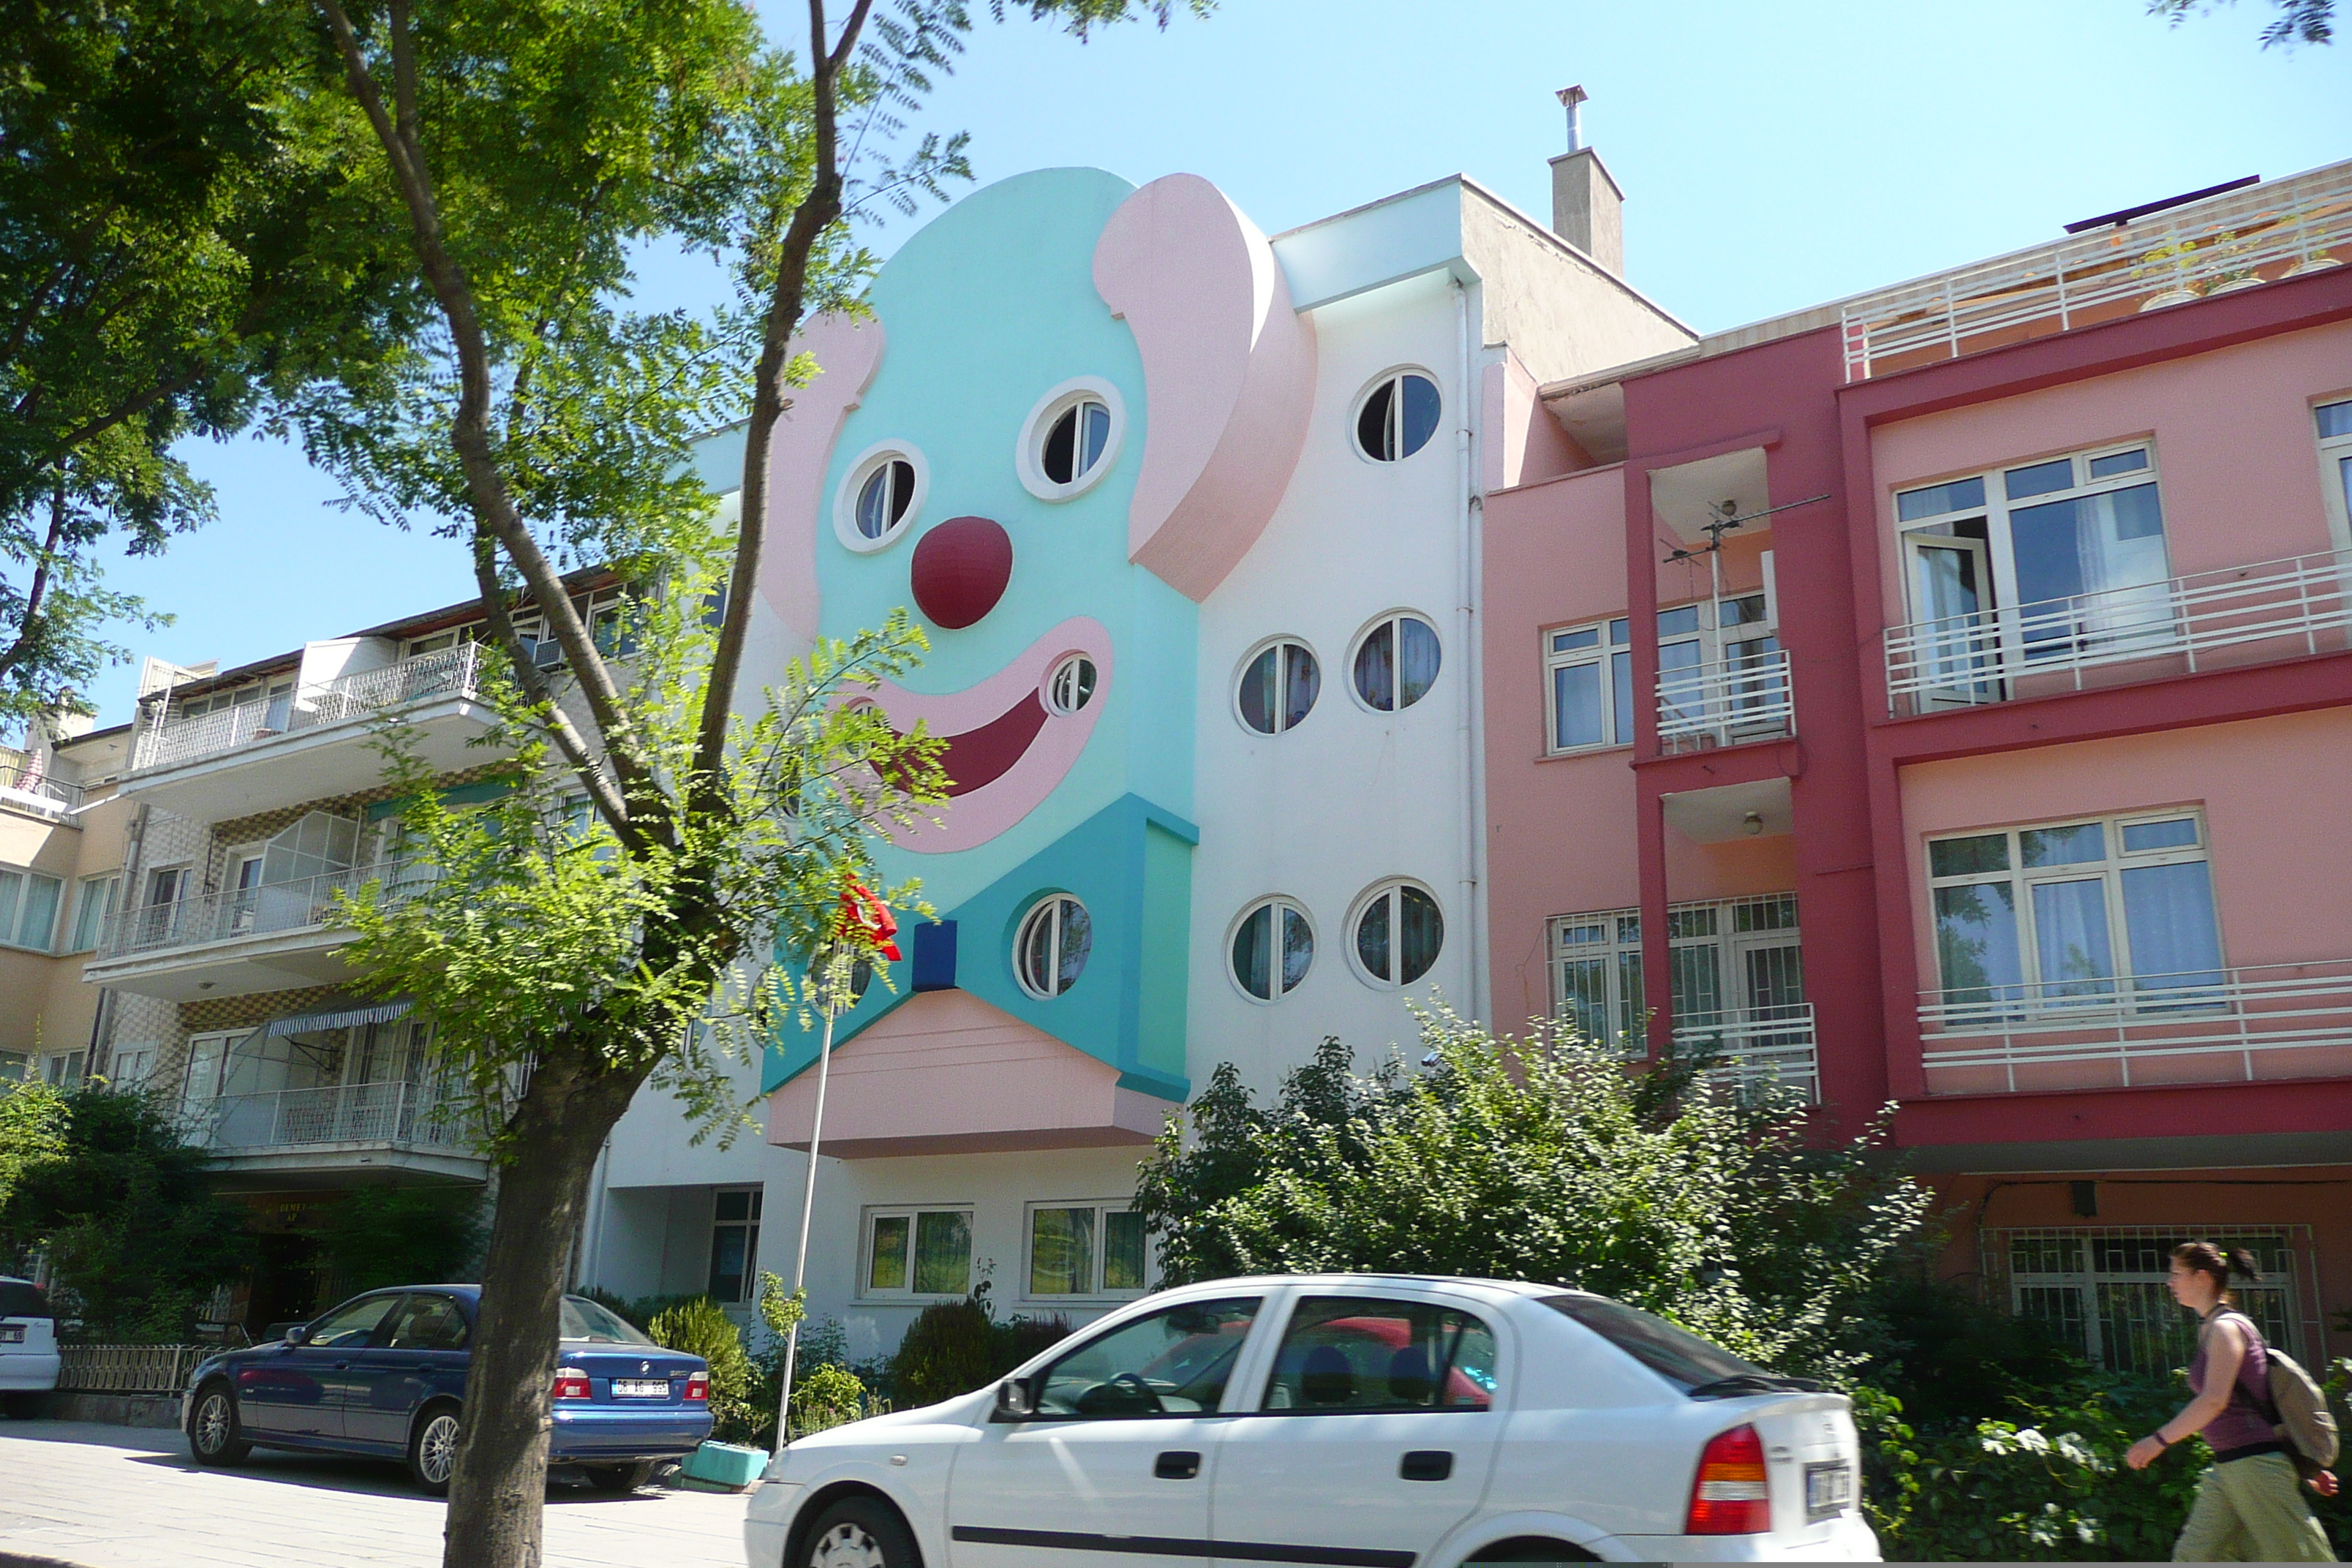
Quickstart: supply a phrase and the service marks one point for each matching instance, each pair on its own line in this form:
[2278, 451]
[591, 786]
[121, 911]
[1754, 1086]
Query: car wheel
[214, 1434]
[433, 1449]
[860, 1533]
[1529, 1549]
[618, 1479]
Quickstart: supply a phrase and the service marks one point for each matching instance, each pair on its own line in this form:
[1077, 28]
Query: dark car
[384, 1373]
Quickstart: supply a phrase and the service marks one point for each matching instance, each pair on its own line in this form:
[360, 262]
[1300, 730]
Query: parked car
[384, 1373]
[28, 1344]
[1381, 1421]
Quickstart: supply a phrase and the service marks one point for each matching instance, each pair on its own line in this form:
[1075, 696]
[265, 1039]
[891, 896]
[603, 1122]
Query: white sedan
[1358, 1421]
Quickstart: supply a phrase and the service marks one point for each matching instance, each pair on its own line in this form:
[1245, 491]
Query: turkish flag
[871, 918]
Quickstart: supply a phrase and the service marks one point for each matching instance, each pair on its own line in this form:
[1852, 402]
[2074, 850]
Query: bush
[700, 1326]
[955, 1347]
[376, 1236]
[640, 1310]
[1953, 1361]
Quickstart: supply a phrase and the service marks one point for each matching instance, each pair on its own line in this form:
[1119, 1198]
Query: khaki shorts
[2252, 1510]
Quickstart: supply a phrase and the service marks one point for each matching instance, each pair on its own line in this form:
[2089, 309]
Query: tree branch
[27, 626]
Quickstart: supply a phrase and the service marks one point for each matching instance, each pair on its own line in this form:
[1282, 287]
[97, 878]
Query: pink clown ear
[847, 353]
[1228, 370]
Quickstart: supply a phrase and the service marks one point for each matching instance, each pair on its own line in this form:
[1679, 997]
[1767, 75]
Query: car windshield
[584, 1319]
[1676, 1354]
[22, 1299]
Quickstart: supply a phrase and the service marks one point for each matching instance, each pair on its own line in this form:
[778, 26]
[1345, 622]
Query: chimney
[1587, 207]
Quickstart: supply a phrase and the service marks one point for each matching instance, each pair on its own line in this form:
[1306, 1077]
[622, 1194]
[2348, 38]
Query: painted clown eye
[880, 497]
[1076, 442]
[1070, 439]
[883, 500]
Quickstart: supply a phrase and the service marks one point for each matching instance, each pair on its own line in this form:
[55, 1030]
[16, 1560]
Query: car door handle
[1425, 1465]
[1177, 1465]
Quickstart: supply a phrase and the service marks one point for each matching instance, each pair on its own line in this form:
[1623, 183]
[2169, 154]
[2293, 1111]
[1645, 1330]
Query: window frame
[1277, 902]
[1392, 888]
[2120, 996]
[18, 908]
[2334, 454]
[2287, 1252]
[1613, 640]
[1621, 956]
[108, 886]
[1484, 1314]
[1067, 665]
[868, 1291]
[1042, 905]
[1103, 1208]
[1028, 453]
[1258, 650]
[1393, 376]
[1394, 619]
[853, 485]
[750, 1227]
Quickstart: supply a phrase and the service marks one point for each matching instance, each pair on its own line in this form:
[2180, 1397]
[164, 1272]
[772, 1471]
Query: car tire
[858, 1532]
[216, 1434]
[619, 1479]
[1528, 1549]
[433, 1448]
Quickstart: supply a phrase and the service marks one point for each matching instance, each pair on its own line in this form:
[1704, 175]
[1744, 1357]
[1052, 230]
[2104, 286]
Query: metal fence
[448, 672]
[128, 1369]
[1726, 701]
[1760, 1046]
[388, 1113]
[22, 788]
[2101, 1288]
[267, 909]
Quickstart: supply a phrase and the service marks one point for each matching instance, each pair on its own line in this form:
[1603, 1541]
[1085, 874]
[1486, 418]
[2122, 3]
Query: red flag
[872, 918]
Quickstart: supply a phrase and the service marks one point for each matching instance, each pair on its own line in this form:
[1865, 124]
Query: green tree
[135, 1238]
[377, 1236]
[2296, 22]
[175, 241]
[1544, 1160]
[530, 149]
[32, 1133]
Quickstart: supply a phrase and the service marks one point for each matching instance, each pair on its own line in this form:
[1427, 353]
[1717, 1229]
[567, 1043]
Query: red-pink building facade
[1994, 763]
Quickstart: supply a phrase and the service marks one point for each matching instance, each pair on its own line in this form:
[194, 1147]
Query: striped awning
[340, 1018]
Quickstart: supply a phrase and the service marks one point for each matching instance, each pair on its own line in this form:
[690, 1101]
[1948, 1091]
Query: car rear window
[18, 1300]
[584, 1319]
[1676, 1354]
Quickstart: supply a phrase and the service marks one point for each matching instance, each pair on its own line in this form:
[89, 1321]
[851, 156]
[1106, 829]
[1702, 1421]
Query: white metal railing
[446, 672]
[1758, 1045]
[2237, 240]
[37, 793]
[269, 910]
[2302, 603]
[1727, 701]
[2141, 1018]
[339, 1113]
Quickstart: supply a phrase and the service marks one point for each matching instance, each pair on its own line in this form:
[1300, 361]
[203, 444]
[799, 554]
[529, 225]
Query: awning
[342, 1018]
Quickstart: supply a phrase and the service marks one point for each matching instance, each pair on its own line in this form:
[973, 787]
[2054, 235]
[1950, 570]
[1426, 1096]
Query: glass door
[1959, 636]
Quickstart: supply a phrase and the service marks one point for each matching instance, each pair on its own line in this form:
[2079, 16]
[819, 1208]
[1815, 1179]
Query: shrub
[376, 1236]
[700, 1326]
[950, 1349]
[826, 1395]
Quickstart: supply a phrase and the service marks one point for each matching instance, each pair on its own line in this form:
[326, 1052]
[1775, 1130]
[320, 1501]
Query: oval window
[882, 499]
[1279, 687]
[1050, 951]
[1274, 947]
[1397, 662]
[1071, 686]
[1076, 442]
[1399, 932]
[1398, 417]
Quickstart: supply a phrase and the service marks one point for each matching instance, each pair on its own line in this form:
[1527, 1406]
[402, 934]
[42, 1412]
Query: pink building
[1991, 639]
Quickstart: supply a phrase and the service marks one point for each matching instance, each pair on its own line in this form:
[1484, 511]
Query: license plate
[12, 1333]
[1829, 1489]
[640, 1388]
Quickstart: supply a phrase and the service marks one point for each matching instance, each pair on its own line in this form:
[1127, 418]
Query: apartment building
[1934, 699]
[60, 877]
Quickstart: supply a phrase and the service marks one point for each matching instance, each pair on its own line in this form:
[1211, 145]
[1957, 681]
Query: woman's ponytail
[2243, 1266]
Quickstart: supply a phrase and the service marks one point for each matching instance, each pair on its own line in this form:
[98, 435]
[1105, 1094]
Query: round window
[1070, 438]
[1278, 686]
[1397, 417]
[879, 496]
[1398, 932]
[1396, 664]
[1076, 441]
[1071, 686]
[1050, 951]
[882, 499]
[1273, 946]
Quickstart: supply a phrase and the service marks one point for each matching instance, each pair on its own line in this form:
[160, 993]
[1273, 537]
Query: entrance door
[1959, 636]
[1772, 992]
[1121, 1451]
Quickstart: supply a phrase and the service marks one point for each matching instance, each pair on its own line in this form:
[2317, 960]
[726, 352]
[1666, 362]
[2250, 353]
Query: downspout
[1466, 641]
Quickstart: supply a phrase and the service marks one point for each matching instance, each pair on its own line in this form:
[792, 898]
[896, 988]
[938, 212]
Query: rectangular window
[14, 1066]
[2334, 423]
[919, 1252]
[1740, 957]
[2115, 912]
[64, 1069]
[1084, 1249]
[28, 908]
[1589, 671]
[95, 902]
[734, 1244]
[2102, 1290]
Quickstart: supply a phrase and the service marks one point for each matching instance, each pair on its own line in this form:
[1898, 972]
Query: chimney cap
[1569, 97]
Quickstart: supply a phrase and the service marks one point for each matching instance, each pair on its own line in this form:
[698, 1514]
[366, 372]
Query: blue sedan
[384, 1373]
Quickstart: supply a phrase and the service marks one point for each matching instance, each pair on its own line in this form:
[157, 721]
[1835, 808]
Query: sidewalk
[124, 1497]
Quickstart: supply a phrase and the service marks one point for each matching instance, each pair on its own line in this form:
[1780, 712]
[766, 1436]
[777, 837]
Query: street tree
[174, 243]
[2295, 21]
[605, 922]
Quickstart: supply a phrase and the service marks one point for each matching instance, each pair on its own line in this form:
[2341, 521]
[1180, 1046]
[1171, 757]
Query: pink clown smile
[1007, 745]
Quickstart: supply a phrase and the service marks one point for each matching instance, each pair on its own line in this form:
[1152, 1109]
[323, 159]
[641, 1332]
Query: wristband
[2161, 1441]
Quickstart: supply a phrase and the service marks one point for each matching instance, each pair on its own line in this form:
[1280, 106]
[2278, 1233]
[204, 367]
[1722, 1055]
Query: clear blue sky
[1772, 157]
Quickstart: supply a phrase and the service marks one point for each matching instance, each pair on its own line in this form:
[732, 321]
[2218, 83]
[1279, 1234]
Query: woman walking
[2250, 1505]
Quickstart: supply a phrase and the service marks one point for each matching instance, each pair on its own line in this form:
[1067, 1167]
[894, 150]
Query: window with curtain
[28, 908]
[1396, 663]
[919, 1252]
[1085, 1249]
[2113, 912]
[1721, 956]
[1273, 948]
[1589, 671]
[95, 904]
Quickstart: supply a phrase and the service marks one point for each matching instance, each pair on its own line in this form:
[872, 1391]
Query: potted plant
[2170, 267]
[2232, 267]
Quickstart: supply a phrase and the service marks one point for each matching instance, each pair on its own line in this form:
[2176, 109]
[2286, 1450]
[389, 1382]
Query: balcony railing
[1759, 1046]
[383, 1113]
[1727, 701]
[2238, 240]
[2297, 604]
[270, 909]
[448, 672]
[37, 793]
[2144, 1020]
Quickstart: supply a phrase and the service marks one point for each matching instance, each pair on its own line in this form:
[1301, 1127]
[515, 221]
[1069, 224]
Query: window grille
[2102, 1290]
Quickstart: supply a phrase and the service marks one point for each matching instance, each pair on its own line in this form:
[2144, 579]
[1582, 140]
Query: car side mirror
[1016, 1399]
[300, 1334]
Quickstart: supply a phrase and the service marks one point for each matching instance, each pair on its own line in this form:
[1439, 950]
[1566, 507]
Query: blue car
[384, 1373]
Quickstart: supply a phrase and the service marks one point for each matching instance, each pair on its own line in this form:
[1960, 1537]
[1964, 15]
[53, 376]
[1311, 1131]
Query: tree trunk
[499, 1484]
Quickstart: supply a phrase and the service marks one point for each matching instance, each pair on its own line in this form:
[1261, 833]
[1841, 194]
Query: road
[124, 1497]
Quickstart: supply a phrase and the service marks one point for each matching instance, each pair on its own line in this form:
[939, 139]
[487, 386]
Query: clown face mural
[1074, 410]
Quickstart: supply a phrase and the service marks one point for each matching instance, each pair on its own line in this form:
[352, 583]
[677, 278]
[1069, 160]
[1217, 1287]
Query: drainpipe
[1465, 643]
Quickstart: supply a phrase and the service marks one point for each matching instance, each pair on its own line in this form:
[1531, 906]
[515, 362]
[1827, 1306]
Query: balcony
[1727, 702]
[357, 1129]
[2217, 1026]
[268, 755]
[2239, 239]
[268, 938]
[24, 790]
[2268, 611]
[1760, 1046]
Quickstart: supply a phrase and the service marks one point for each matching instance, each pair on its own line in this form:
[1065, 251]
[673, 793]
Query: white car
[1356, 1420]
[28, 1344]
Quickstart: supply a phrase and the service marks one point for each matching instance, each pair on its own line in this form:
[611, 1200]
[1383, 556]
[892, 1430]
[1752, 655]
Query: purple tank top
[2247, 1420]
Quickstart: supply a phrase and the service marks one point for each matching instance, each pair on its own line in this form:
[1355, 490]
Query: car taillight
[698, 1387]
[571, 1383]
[1730, 1497]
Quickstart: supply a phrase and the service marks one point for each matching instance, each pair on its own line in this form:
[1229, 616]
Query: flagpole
[808, 1207]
